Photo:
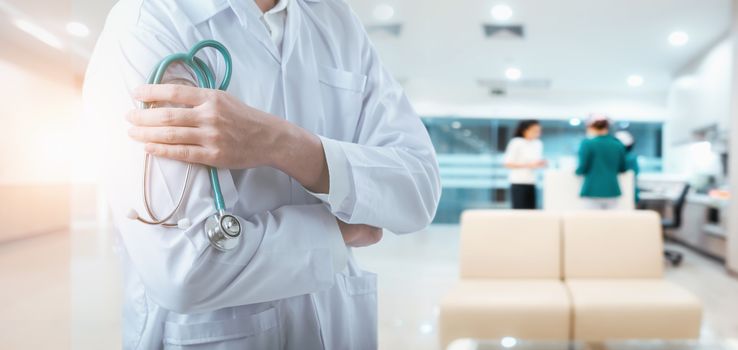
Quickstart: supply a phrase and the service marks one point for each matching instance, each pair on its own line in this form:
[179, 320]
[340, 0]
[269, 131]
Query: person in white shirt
[524, 155]
[318, 150]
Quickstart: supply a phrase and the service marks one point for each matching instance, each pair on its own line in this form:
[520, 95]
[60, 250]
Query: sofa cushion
[492, 309]
[510, 244]
[633, 309]
[612, 244]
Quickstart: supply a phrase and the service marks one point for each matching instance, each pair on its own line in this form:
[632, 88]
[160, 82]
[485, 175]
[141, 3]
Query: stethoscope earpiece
[132, 214]
[184, 224]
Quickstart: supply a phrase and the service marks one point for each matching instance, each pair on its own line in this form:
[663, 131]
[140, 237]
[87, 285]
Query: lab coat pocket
[257, 331]
[348, 312]
[362, 301]
[342, 92]
[365, 284]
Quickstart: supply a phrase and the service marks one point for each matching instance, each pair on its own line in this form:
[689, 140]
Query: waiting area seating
[585, 276]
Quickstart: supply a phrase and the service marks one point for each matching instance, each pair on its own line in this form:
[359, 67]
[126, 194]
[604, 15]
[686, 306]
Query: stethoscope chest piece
[223, 231]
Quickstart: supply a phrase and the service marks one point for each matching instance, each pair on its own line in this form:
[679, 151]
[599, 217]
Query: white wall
[38, 147]
[699, 97]
[38, 133]
[732, 242]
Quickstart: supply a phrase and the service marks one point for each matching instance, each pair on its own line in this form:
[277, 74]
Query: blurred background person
[524, 155]
[601, 159]
[631, 159]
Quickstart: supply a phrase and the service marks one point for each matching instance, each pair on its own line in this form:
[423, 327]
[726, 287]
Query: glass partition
[470, 155]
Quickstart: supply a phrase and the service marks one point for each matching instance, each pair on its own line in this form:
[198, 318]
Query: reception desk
[561, 191]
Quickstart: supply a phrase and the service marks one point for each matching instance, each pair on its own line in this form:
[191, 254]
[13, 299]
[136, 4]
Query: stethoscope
[222, 228]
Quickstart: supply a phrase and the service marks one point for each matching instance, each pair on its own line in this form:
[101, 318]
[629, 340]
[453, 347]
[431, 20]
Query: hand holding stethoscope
[222, 228]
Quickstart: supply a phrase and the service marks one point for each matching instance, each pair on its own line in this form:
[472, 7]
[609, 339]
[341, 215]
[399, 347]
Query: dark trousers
[523, 196]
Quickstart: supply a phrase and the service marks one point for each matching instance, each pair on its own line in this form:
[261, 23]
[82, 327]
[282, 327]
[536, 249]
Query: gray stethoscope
[222, 228]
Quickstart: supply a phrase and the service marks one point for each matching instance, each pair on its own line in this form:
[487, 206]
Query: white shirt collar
[279, 7]
[199, 11]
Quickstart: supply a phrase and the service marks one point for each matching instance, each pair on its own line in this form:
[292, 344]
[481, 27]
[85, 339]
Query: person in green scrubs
[601, 160]
[631, 158]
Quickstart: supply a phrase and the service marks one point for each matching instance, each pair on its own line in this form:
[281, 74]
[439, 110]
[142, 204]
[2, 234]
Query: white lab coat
[284, 286]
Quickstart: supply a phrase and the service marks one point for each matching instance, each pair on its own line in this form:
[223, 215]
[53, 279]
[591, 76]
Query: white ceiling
[581, 45]
[578, 44]
[52, 15]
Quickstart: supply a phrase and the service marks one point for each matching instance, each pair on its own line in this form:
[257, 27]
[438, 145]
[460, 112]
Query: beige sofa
[613, 269]
[589, 276]
[510, 279]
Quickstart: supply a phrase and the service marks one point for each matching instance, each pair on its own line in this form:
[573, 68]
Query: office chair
[674, 257]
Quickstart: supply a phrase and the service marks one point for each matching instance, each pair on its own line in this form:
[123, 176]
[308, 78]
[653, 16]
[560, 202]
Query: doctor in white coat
[317, 147]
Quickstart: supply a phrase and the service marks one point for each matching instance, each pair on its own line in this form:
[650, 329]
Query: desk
[703, 225]
[561, 191]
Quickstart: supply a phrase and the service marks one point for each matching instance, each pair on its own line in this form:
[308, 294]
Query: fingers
[167, 135]
[163, 117]
[184, 153]
[171, 93]
[365, 237]
[359, 235]
[373, 236]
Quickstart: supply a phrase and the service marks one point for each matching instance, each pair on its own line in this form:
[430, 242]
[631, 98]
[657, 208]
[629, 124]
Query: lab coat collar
[292, 29]
[199, 11]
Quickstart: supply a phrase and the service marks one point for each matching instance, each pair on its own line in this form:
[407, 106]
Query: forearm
[299, 154]
[520, 165]
[392, 187]
[398, 176]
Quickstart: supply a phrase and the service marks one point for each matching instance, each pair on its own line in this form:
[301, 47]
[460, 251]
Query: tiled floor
[61, 291]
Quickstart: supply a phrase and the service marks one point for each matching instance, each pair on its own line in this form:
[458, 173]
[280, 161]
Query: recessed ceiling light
[501, 12]
[39, 33]
[456, 125]
[513, 73]
[78, 29]
[508, 342]
[575, 122]
[383, 12]
[678, 38]
[635, 80]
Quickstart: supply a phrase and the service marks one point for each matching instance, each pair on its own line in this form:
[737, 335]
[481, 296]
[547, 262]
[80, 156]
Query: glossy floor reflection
[62, 291]
[467, 344]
